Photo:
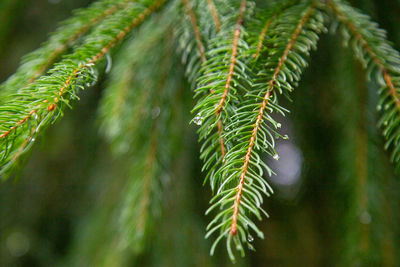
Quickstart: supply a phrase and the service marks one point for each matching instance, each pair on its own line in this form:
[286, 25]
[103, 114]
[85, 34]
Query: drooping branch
[258, 121]
[368, 49]
[76, 35]
[381, 62]
[54, 91]
[103, 51]
[68, 34]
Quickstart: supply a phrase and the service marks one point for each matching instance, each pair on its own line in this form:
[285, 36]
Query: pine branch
[132, 84]
[381, 62]
[240, 59]
[139, 201]
[136, 114]
[67, 35]
[221, 75]
[24, 114]
[240, 194]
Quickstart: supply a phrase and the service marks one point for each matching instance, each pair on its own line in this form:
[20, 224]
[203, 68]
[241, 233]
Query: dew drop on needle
[198, 119]
[109, 63]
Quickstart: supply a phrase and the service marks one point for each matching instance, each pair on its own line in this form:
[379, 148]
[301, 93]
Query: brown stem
[262, 36]
[221, 140]
[193, 21]
[230, 74]
[214, 13]
[144, 203]
[233, 58]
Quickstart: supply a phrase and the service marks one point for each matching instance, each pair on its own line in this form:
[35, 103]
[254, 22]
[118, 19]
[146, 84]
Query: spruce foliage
[241, 58]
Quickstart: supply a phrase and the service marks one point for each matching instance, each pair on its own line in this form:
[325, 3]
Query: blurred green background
[336, 201]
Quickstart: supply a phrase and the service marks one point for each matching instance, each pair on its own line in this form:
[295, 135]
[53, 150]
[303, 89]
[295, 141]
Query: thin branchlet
[196, 30]
[79, 33]
[38, 62]
[215, 15]
[220, 106]
[368, 49]
[262, 36]
[258, 121]
[233, 57]
[147, 179]
[120, 36]
[381, 62]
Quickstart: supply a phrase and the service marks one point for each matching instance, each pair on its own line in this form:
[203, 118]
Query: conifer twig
[368, 49]
[143, 205]
[193, 21]
[220, 106]
[36, 63]
[80, 32]
[262, 36]
[258, 121]
[215, 15]
[233, 57]
[45, 99]
[381, 62]
[121, 35]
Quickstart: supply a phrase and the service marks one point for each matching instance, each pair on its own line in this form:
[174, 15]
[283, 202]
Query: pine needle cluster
[239, 57]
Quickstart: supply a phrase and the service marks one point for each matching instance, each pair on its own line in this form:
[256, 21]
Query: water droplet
[109, 63]
[378, 108]
[250, 238]
[387, 106]
[18, 244]
[276, 157]
[385, 123]
[165, 179]
[198, 119]
[278, 125]
[155, 112]
[33, 140]
[365, 218]
[36, 116]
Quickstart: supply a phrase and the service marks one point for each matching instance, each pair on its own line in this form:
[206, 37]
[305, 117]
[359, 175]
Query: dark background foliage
[336, 200]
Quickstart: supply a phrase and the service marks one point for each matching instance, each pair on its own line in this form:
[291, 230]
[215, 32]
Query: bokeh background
[337, 198]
